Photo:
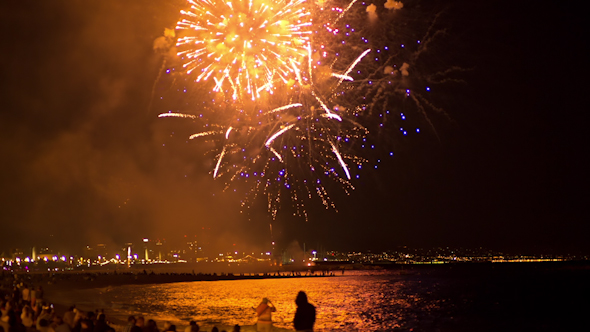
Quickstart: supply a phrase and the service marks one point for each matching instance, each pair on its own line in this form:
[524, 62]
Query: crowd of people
[24, 309]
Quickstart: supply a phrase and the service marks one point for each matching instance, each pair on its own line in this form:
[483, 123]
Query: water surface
[484, 297]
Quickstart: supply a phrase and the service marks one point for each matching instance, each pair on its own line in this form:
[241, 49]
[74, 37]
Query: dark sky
[85, 160]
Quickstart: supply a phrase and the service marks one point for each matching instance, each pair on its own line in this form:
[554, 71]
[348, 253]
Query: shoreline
[86, 280]
[60, 288]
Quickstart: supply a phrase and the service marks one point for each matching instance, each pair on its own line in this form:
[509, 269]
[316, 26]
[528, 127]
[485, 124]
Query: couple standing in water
[304, 316]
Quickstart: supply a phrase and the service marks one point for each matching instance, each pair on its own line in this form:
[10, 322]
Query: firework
[290, 84]
[244, 44]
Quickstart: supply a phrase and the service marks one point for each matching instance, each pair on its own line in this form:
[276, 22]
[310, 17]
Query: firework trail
[290, 84]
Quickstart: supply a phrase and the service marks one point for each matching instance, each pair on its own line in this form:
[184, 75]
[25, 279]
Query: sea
[550, 296]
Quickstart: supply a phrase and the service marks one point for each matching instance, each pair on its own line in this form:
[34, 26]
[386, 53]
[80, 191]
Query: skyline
[85, 158]
[190, 250]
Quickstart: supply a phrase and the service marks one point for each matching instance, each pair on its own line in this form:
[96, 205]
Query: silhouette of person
[305, 314]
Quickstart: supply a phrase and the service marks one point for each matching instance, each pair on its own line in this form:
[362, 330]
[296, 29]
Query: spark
[277, 134]
[343, 77]
[218, 163]
[286, 107]
[345, 10]
[329, 113]
[176, 115]
[335, 150]
[353, 64]
[206, 133]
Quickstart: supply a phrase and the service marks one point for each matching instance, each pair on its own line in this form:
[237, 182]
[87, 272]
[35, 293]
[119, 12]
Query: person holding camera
[264, 315]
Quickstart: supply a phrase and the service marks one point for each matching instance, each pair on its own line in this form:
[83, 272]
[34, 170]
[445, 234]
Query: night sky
[85, 159]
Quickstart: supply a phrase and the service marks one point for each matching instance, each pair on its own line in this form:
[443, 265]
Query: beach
[84, 290]
[455, 297]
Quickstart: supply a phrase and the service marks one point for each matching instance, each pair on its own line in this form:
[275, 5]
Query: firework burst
[294, 89]
[244, 44]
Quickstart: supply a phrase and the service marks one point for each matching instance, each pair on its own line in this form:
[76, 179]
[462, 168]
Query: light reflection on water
[356, 301]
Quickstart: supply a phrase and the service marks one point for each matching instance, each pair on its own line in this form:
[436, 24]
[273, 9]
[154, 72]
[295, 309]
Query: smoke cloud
[392, 4]
[371, 11]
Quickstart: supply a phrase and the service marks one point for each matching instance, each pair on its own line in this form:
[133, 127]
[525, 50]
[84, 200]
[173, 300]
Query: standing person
[33, 296]
[305, 314]
[140, 322]
[168, 326]
[16, 294]
[101, 324]
[91, 318]
[39, 294]
[130, 324]
[26, 293]
[190, 325]
[264, 314]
